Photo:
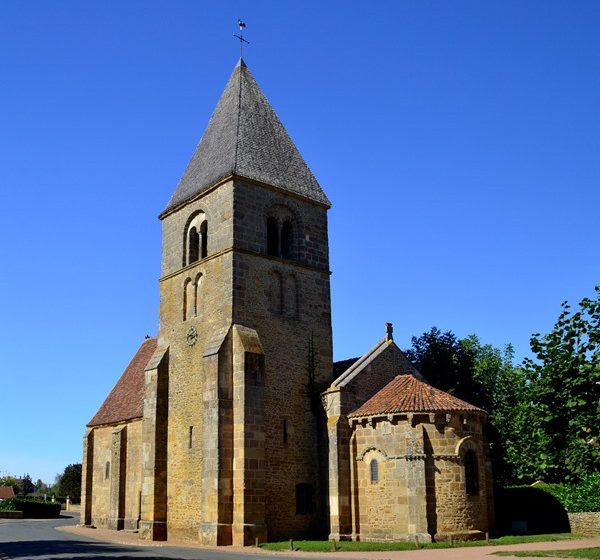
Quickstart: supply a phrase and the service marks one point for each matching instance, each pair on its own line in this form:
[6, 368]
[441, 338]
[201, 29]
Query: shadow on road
[89, 550]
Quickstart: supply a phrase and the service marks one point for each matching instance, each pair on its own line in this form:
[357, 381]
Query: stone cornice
[243, 252]
[233, 177]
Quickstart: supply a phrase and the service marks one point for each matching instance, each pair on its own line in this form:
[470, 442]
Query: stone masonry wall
[585, 523]
[435, 502]
[101, 486]
[294, 452]
[210, 318]
[236, 286]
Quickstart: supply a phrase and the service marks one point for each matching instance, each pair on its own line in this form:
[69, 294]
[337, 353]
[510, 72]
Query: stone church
[235, 424]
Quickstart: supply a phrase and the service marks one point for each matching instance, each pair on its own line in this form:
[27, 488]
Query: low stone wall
[11, 515]
[585, 523]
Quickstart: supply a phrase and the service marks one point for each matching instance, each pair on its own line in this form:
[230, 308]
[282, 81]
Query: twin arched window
[280, 237]
[196, 239]
[191, 297]
[283, 294]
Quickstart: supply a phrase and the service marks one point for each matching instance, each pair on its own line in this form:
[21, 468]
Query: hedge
[575, 498]
[31, 507]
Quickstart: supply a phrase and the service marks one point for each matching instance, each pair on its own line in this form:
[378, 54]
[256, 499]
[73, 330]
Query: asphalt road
[38, 540]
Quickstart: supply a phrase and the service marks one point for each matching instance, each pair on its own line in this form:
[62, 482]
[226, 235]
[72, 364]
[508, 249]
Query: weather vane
[241, 25]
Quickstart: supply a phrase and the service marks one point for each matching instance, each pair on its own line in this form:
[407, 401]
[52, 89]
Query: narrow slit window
[471, 473]
[191, 437]
[374, 468]
[304, 499]
[107, 470]
[285, 430]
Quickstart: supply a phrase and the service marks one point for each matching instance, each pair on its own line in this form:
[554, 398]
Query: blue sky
[458, 141]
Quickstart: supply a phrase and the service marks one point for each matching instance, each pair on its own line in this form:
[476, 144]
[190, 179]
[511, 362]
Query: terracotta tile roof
[126, 400]
[6, 492]
[406, 393]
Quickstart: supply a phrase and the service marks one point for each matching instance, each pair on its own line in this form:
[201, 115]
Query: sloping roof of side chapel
[244, 137]
[126, 400]
[405, 393]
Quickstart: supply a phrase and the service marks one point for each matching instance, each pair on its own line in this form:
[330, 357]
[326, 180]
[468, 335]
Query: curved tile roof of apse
[126, 400]
[245, 137]
[405, 393]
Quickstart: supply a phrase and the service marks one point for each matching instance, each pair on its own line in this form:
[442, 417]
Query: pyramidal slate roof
[405, 393]
[244, 137]
[126, 400]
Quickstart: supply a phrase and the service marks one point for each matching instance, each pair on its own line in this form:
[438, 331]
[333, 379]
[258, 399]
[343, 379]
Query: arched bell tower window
[204, 239]
[281, 231]
[193, 245]
[286, 239]
[272, 237]
[471, 473]
[195, 241]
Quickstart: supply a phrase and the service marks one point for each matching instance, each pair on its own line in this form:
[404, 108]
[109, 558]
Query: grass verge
[591, 553]
[352, 546]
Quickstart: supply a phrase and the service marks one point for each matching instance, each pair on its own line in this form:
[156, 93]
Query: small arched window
[204, 239]
[471, 473]
[286, 240]
[107, 470]
[193, 245]
[374, 471]
[195, 238]
[272, 237]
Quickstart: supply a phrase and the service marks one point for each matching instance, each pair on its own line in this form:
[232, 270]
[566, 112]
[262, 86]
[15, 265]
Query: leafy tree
[69, 483]
[444, 361]
[10, 481]
[565, 392]
[41, 486]
[26, 485]
[484, 376]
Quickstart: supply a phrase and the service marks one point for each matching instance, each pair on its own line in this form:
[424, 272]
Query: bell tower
[231, 442]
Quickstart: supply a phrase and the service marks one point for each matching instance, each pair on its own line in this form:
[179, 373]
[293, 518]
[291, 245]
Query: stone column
[153, 522]
[216, 487]
[87, 477]
[248, 437]
[338, 433]
[117, 479]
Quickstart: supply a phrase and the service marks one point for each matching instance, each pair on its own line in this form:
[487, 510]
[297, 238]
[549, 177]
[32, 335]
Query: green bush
[583, 496]
[31, 507]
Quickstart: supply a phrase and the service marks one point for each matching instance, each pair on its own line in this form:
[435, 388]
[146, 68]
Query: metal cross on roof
[241, 25]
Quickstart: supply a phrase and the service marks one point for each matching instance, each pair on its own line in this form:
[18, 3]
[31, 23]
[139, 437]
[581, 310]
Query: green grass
[352, 546]
[592, 553]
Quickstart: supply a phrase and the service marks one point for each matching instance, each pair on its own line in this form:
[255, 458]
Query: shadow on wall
[526, 510]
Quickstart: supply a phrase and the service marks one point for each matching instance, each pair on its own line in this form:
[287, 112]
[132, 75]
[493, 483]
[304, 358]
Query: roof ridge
[360, 361]
[240, 66]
